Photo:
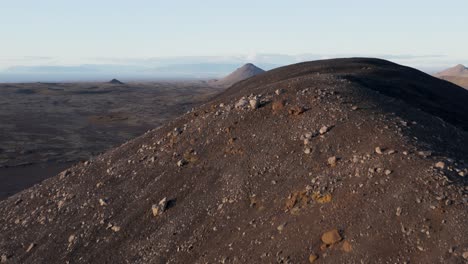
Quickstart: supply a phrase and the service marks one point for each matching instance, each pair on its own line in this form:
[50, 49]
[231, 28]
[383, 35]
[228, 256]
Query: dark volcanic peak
[115, 81]
[247, 71]
[347, 161]
[459, 70]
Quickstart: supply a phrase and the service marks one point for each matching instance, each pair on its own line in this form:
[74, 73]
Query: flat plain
[45, 127]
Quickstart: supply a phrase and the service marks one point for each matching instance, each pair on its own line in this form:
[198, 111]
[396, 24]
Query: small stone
[390, 152]
[398, 211]
[323, 130]
[181, 162]
[103, 202]
[307, 150]
[115, 228]
[425, 154]
[347, 247]
[60, 204]
[312, 258]
[354, 108]
[280, 227]
[465, 255]
[331, 237]
[71, 238]
[254, 103]
[278, 91]
[4, 259]
[242, 103]
[31, 246]
[296, 110]
[378, 150]
[462, 174]
[440, 165]
[158, 209]
[332, 161]
[388, 172]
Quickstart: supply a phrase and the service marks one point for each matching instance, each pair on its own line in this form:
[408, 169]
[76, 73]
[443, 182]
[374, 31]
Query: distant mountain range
[457, 75]
[97, 72]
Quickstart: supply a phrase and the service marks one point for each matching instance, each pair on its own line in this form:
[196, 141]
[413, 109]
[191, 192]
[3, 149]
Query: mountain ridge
[326, 159]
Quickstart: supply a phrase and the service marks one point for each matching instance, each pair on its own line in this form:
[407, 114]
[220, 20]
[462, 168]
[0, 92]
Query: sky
[425, 34]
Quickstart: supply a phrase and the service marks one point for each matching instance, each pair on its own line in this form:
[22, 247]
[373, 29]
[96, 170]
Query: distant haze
[54, 40]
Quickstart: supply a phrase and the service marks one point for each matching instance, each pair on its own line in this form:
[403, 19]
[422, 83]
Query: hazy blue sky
[430, 33]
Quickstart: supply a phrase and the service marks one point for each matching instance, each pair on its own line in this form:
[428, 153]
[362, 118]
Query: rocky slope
[337, 161]
[247, 71]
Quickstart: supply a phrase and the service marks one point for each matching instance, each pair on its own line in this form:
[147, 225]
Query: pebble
[278, 91]
[378, 150]
[71, 238]
[440, 165]
[181, 162]
[323, 130]
[280, 227]
[332, 161]
[465, 255]
[312, 258]
[241, 103]
[115, 228]
[388, 172]
[398, 211]
[347, 247]
[254, 103]
[4, 259]
[425, 154]
[159, 208]
[31, 246]
[307, 150]
[331, 237]
[103, 202]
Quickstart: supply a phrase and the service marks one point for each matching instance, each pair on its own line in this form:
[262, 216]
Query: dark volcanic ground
[338, 161]
[47, 126]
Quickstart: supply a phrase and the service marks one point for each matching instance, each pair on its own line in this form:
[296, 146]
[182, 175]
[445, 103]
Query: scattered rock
[324, 130]
[332, 161]
[440, 165]
[307, 150]
[321, 199]
[103, 202]
[331, 237]
[71, 238]
[254, 103]
[277, 105]
[115, 228]
[378, 150]
[347, 247]
[425, 154]
[31, 246]
[296, 110]
[4, 259]
[465, 255]
[398, 211]
[159, 208]
[242, 103]
[279, 91]
[280, 227]
[181, 162]
[388, 172]
[313, 258]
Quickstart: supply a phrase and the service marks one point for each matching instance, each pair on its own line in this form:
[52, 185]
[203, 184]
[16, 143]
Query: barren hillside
[336, 161]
